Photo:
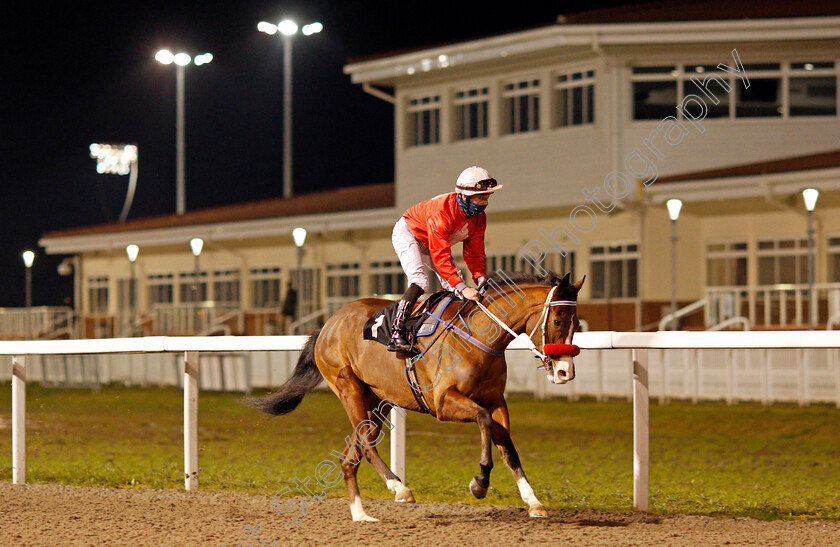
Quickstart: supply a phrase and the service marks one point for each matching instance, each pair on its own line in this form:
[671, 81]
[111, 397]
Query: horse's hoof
[404, 497]
[365, 518]
[537, 511]
[477, 490]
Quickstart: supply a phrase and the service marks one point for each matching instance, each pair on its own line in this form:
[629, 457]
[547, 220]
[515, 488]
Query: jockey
[424, 235]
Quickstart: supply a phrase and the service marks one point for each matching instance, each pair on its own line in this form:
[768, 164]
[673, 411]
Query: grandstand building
[592, 124]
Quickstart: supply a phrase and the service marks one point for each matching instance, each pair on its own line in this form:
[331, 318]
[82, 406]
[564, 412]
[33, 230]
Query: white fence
[803, 375]
[620, 349]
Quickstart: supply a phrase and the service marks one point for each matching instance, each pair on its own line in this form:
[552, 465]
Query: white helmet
[476, 180]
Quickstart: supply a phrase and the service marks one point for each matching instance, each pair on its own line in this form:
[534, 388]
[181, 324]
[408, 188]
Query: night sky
[83, 72]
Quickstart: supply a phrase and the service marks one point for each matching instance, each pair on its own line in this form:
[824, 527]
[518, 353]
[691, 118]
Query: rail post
[18, 420]
[398, 443]
[191, 420]
[641, 430]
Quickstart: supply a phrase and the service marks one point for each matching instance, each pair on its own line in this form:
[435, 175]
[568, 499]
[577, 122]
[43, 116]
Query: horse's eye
[556, 322]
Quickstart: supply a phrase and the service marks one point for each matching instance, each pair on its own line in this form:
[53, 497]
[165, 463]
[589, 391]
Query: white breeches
[414, 257]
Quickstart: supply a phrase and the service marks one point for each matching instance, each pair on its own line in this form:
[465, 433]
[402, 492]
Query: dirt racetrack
[57, 515]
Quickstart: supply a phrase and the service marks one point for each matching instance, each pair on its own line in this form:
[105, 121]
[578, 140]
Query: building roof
[663, 11]
[822, 160]
[356, 198]
[702, 10]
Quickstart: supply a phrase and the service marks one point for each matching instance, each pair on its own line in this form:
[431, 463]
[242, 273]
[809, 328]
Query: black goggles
[481, 185]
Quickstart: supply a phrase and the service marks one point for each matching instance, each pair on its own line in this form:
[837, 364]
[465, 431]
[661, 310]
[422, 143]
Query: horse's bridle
[542, 322]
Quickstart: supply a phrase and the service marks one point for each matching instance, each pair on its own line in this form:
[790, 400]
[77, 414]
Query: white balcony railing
[773, 305]
[190, 317]
[42, 322]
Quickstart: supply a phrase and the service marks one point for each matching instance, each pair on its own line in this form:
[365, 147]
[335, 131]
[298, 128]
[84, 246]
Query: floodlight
[312, 28]
[165, 57]
[287, 27]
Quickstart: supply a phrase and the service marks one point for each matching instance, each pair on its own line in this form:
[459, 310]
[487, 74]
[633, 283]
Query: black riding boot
[398, 341]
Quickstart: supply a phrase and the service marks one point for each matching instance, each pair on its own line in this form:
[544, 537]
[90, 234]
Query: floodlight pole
[180, 191]
[287, 115]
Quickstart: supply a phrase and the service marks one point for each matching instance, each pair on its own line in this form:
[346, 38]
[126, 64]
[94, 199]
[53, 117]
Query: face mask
[469, 208]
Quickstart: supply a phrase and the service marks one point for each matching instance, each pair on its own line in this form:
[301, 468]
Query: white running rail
[639, 342]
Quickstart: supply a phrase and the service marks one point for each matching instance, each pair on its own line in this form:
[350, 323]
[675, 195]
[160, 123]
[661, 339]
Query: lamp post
[181, 60]
[28, 260]
[674, 205]
[196, 244]
[809, 196]
[299, 235]
[288, 29]
[118, 159]
[132, 251]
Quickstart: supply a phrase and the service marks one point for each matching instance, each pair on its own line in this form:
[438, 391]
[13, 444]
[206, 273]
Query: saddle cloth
[422, 323]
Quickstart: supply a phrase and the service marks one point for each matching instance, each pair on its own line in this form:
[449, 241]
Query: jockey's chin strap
[542, 322]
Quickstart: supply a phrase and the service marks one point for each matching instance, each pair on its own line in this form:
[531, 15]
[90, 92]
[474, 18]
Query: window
[192, 288]
[710, 84]
[764, 96]
[782, 261]
[127, 293]
[342, 284]
[812, 89]
[834, 259]
[98, 294]
[226, 286]
[654, 92]
[308, 285]
[574, 98]
[471, 113]
[387, 277]
[522, 105]
[614, 270]
[726, 264]
[514, 262]
[424, 120]
[265, 288]
[160, 288]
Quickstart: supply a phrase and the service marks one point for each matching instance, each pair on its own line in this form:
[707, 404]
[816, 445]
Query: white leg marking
[358, 512]
[527, 492]
[401, 492]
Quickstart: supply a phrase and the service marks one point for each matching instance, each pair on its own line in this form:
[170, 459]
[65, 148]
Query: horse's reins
[542, 323]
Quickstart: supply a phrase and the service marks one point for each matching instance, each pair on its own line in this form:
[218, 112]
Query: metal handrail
[732, 321]
[682, 312]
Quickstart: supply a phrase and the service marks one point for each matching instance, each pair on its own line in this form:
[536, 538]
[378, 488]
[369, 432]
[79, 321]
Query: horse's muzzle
[562, 370]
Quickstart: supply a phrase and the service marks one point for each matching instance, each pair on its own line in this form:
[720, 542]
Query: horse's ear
[579, 283]
[565, 281]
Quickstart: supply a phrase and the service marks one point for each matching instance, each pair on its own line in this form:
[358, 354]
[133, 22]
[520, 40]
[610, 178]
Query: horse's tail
[305, 378]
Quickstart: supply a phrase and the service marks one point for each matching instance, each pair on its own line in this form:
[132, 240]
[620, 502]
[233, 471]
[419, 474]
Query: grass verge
[767, 462]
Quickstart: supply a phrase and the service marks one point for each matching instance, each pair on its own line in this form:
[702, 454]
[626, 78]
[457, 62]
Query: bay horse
[461, 375]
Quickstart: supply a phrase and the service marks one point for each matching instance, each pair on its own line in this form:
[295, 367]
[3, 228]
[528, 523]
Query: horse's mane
[500, 279]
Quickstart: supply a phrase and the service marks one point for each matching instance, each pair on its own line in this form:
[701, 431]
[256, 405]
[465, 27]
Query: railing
[42, 322]
[739, 320]
[638, 343]
[187, 318]
[773, 305]
[682, 312]
[308, 322]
